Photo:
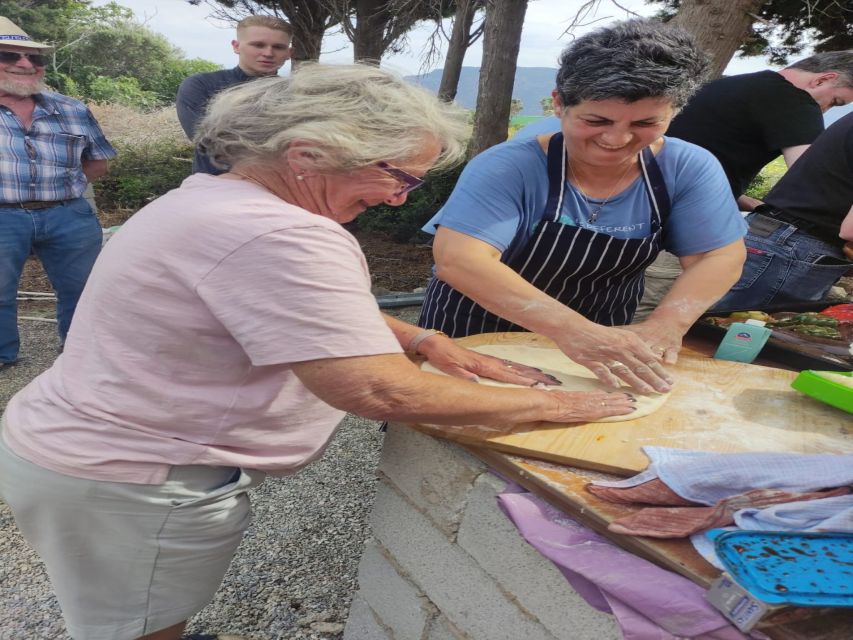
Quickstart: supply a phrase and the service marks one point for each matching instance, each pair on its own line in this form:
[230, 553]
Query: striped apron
[595, 274]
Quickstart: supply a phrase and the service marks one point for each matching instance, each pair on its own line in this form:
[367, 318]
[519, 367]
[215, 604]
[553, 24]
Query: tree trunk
[310, 20]
[501, 41]
[370, 20]
[306, 44]
[456, 48]
[719, 26]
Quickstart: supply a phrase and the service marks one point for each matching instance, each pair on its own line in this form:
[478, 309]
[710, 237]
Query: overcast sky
[190, 28]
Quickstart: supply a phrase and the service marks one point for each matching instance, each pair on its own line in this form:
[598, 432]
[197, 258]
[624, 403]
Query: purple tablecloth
[649, 603]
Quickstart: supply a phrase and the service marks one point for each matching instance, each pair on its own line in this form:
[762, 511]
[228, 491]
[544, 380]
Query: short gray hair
[352, 115]
[839, 61]
[630, 61]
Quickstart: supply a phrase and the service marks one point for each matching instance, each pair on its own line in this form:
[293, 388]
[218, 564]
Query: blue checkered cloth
[45, 163]
[707, 478]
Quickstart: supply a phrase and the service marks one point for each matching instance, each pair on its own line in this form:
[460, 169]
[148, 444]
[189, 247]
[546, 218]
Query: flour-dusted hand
[663, 339]
[588, 406]
[614, 354]
[447, 356]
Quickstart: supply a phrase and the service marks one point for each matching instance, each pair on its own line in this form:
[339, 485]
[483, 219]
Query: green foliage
[516, 107]
[547, 105]
[43, 20]
[767, 178]
[173, 71]
[121, 90]
[403, 223]
[142, 172]
[63, 83]
[759, 187]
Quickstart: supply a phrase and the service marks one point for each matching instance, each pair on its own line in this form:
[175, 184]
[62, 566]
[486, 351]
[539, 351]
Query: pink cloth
[649, 603]
[181, 345]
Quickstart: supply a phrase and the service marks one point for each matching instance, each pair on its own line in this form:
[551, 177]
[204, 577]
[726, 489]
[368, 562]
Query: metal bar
[400, 300]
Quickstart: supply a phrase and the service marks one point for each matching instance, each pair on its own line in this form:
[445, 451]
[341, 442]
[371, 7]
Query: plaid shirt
[45, 163]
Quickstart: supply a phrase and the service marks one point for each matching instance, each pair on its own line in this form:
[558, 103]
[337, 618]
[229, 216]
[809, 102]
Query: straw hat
[12, 34]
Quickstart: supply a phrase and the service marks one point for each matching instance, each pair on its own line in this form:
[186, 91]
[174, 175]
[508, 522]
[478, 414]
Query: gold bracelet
[423, 335]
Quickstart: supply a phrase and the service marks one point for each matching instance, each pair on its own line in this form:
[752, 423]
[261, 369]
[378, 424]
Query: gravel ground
[293, 575]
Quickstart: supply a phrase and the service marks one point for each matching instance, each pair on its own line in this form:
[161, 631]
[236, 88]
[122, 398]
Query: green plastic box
[828, 391]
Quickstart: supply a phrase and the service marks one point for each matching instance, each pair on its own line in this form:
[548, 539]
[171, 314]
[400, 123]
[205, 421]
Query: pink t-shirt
[180, 348]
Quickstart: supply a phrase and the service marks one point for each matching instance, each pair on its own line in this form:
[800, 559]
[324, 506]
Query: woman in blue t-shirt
[552, 234]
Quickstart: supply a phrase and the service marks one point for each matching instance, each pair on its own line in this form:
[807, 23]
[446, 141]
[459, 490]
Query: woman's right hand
[615, 355]
[588, 406]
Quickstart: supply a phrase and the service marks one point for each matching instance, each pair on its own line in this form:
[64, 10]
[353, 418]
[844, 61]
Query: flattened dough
[573, 376]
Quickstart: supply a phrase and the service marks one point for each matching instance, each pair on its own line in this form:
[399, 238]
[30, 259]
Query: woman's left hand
[663, 339]
[447, 356]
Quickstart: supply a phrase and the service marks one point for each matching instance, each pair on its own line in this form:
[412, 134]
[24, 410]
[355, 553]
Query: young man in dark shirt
[794, 249]
[262, 45]
[748, 120]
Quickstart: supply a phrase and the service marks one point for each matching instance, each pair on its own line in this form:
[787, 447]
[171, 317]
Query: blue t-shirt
[501, 195]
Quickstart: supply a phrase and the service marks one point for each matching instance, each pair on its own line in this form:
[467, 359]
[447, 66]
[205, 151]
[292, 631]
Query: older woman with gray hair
[224, 332]
[552, 234]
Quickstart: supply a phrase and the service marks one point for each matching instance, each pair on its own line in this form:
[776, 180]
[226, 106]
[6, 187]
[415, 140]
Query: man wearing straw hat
[52, 147]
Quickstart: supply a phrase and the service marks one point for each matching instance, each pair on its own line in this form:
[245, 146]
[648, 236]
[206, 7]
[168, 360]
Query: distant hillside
[531, 85]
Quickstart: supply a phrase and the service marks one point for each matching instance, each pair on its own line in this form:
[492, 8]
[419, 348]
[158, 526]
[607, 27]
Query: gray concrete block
[362, 623]
[434, 474]
[442, 629]
[397, 602]
[470, 598]
[493, 541]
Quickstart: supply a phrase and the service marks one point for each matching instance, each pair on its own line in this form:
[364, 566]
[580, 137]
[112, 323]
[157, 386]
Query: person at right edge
[794, 249]
[748, 120]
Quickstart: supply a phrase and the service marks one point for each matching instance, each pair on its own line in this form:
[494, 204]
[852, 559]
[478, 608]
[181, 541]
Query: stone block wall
[445, 563]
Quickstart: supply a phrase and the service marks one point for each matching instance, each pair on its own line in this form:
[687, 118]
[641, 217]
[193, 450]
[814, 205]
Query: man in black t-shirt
[794, 251]
[262, 46]
[748, 120]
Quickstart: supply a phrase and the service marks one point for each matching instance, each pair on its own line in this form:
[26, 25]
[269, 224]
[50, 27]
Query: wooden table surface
[715, 405]
[563, 487]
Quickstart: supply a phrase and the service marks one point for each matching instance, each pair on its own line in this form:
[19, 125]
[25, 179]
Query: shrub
[759, 187]
[142, 172]
[766, 179]
[404, 223]
[154, 156]
[124, 90]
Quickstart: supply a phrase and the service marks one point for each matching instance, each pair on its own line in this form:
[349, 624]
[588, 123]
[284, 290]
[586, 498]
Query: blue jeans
[67, 239]
[783, 265]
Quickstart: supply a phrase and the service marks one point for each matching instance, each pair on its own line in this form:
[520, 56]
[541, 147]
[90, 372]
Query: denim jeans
[67, 239]
[783, 265]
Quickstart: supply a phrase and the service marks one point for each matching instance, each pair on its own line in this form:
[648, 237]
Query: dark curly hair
[630, 61]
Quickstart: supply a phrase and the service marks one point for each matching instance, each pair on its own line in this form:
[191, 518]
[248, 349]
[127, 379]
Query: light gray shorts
[126, 559]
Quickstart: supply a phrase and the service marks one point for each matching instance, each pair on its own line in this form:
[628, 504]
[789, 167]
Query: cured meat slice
[651, 492]
[678, 522]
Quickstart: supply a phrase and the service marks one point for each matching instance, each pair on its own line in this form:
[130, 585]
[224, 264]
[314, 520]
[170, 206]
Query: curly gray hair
[630, 61]
[352, 116]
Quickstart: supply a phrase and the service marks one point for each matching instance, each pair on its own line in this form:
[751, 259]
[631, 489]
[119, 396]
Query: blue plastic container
[783, 567]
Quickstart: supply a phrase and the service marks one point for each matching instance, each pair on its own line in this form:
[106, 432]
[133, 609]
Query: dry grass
[125, 125]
